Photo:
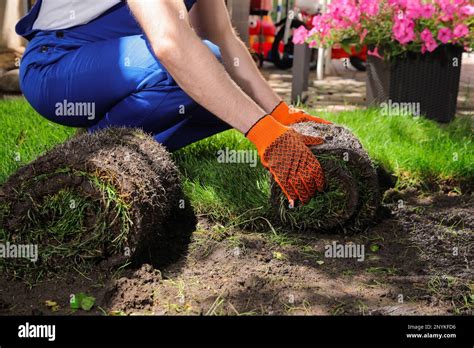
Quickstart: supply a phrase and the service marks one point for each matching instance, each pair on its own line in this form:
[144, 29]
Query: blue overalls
[108, 63]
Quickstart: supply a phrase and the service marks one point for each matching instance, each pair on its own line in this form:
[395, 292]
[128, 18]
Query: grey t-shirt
[63, 14]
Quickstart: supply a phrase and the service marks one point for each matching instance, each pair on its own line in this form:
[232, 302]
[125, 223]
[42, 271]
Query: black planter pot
[429, 81]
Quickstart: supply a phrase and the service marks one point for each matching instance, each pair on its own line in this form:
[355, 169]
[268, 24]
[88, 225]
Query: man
[143, 63]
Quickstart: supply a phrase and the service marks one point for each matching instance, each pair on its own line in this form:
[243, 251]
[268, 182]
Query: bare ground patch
[418, 261]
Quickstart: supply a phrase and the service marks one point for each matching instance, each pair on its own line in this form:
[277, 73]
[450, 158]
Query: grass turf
[418, 151]
[113, 196]
[25, 135]
[59, 225]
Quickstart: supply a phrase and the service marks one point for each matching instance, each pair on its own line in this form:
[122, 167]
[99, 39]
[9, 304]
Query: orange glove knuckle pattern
[285, 153]
[294, 167]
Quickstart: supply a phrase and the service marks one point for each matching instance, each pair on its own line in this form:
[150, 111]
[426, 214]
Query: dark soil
[409, 268]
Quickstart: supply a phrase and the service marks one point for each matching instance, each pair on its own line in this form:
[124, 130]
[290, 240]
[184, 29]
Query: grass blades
[420, 152]
[25, 135]
[61, 225]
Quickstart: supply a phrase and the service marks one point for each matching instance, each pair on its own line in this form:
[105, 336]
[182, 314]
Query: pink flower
[427, 11]
[313, 31]
[317, 20]
[403, 30]
[429, 41]
[426, 35]
[460, 30]
[445, 35]
[344, 13]
[356, 21]
[320, 25]
[300, 35]
[413, 9]
[370, 7]
[375, 53]
[430, 45]
[351, 12]
[447, 10]
[313, 43]
[398, 3]
[467, 10]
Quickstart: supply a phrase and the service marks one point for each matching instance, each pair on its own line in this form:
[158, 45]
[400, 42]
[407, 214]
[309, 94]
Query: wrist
[282, 113]
[265, 132]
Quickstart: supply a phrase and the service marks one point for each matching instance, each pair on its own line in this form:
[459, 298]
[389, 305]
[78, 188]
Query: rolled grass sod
[352, 195]
[238, 194]
[109, 198]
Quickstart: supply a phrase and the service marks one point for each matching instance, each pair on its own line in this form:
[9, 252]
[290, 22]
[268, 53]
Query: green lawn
[25, 135]
[418, 151]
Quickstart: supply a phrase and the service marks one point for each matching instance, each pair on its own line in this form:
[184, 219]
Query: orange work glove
[285, 153]
[288, 116]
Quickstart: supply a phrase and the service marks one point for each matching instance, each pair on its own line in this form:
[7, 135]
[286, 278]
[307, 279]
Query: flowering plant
[392, 27]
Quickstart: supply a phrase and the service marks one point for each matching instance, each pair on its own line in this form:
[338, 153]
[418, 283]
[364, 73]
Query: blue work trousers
[104, 74]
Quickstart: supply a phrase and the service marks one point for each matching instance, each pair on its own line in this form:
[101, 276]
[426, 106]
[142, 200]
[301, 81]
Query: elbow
[165, 48]
[172, 48]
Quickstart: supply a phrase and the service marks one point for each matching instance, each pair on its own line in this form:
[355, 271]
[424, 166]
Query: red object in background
[339, 53]
[262, 32]
[268, 29]
[264, 49]
[266, 5]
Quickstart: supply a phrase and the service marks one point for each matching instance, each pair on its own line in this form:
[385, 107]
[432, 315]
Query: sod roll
[110, 198]
[352, 195]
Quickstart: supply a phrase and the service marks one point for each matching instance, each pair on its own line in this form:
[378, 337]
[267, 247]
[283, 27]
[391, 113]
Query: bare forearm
[192, 64]
[240, 65]
[207, 82]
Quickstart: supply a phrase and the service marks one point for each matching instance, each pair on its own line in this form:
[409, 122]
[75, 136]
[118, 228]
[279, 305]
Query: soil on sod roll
[352, 196]
[105, 199]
